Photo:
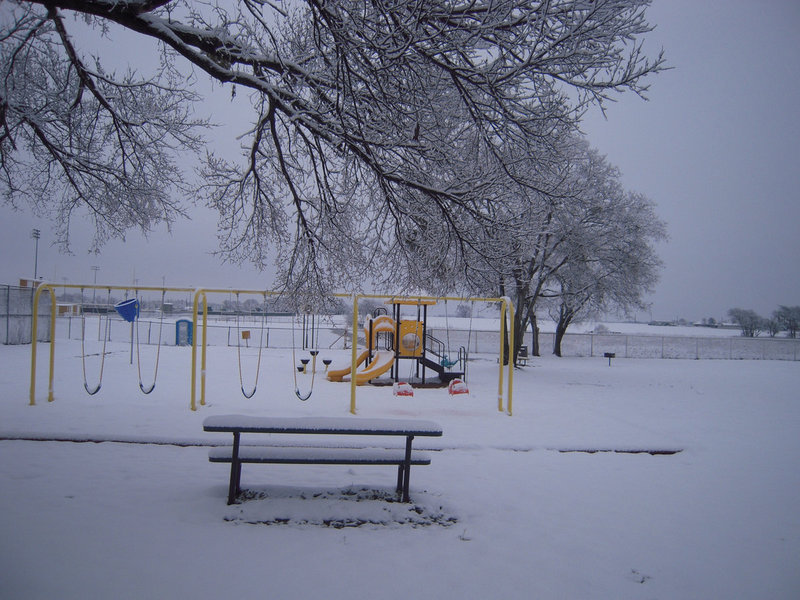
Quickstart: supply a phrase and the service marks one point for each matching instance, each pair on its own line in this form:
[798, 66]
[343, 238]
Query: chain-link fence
[16, 313]
[647, 346]
[285, 332]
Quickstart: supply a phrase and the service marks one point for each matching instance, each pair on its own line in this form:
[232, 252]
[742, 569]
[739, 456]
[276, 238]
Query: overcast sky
[717, 147]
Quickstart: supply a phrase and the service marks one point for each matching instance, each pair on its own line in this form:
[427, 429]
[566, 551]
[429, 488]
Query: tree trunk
[525, 315]
[534, 337]
[560, 331]
[564, 319]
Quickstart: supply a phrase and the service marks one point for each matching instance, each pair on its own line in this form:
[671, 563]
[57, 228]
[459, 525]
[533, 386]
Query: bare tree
[571, 233]
[788, 317]
[613, 267]
[73, 136]
[361, 112]
[772, 327]
[748, 320]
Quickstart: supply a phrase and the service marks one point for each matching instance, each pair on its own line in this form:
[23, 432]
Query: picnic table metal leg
[407, 467]
[236, 470]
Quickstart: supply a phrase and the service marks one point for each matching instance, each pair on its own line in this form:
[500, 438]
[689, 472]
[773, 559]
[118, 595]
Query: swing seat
[128, 309]
[401, 388]
[457, 386]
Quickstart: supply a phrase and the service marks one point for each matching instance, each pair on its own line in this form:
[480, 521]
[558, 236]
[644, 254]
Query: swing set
[200, 317]
[129, 311]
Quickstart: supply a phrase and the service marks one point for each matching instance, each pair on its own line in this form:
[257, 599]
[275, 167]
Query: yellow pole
[34, 327]
[354, 356]
[204, 353]
[34, 346]
[502, 355]
[34, 331]
[53, 310]
[511, 355]
[192, 404]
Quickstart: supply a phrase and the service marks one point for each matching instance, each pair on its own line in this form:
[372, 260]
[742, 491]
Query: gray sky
[716, 148]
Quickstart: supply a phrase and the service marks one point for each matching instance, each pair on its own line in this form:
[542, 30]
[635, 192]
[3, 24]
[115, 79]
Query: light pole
[94, 268]
[36, 234]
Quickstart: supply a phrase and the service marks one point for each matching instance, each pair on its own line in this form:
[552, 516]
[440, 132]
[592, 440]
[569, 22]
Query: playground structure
[408, 349]
[506, 321]
[390, 340]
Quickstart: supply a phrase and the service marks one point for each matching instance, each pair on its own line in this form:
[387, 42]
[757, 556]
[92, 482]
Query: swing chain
[239, 346]
[93, 391]
[301, 396]
[158, 348]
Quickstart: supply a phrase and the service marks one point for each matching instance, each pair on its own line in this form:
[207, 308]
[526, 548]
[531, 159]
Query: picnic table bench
[238, 454]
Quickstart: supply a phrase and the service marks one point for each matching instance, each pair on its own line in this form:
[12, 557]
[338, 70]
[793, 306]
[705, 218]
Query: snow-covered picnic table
[329, 454]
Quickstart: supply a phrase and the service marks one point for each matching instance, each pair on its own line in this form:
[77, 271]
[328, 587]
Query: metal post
[353, 356]
[236, 473]
[35, 234]
[407, 467]
[94, 268]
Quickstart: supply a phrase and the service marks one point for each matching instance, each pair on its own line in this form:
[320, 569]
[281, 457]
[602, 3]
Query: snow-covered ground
[502, 511]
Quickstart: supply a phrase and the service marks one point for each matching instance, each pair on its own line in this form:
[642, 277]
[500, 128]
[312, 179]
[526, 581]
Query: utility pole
[36, 234]
[94, 268]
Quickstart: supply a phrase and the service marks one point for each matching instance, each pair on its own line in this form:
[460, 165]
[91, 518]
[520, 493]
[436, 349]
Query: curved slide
[338, 373]
[383, 361]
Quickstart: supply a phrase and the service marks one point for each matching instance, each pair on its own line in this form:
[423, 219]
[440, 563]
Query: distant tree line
[785, 318]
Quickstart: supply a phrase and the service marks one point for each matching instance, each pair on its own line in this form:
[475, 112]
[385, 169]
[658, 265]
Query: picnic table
[330, 454]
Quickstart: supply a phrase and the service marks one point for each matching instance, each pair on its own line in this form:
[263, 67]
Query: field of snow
[511, 506]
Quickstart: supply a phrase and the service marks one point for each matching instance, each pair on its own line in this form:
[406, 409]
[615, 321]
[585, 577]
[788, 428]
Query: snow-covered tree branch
[367, 115]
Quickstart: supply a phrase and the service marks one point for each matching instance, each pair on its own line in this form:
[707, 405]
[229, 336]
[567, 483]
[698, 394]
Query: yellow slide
[383, 361]
[336, 374]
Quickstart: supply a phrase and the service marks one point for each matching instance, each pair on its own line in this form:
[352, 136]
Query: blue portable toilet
[183, 332]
